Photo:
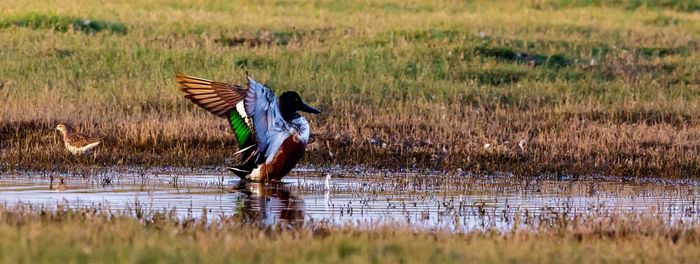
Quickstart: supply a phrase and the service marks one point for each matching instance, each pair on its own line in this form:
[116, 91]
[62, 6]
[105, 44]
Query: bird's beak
[309, 109]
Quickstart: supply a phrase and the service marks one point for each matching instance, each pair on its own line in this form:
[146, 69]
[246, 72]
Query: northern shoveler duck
[270, 133]
[77, 143]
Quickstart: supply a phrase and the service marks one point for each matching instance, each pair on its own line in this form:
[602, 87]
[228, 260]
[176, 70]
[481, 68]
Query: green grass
[678, 5]
[38, 21]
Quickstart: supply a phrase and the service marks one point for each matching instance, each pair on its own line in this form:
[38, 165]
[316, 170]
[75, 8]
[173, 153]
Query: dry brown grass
[624, 143]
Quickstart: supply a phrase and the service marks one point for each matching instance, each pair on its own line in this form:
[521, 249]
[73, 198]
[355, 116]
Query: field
[556, 89]
[587, 88]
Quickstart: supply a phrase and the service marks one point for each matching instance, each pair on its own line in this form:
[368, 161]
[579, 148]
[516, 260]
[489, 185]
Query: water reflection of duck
[268, 204]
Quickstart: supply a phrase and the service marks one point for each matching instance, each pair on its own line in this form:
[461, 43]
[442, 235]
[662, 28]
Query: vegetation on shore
[587, 87]
[31, 235]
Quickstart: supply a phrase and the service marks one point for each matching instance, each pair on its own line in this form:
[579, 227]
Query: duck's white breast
[302, 127]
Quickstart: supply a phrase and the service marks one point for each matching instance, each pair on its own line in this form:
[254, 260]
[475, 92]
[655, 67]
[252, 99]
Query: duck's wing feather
[216, 97]
[223, 100]
[270, 128]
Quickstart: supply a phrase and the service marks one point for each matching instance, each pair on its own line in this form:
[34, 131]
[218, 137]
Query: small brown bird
[77, 143]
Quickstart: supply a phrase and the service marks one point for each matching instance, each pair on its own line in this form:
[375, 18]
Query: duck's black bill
[309, 109]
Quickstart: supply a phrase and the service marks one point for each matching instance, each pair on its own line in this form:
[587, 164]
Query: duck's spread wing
[216, 97]
[270, 128]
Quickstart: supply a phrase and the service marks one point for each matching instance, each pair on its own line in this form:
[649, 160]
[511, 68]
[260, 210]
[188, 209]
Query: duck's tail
[248, 162]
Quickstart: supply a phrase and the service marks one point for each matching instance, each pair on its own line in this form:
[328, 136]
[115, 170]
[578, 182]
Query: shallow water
[420, 201]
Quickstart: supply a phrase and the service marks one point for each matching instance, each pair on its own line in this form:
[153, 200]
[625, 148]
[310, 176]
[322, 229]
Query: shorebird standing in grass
[270, 133]
[77, 143]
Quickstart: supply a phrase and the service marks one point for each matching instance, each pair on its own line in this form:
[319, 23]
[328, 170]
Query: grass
[38, 21]
[679, 5]
[97, 235]
[589, 87]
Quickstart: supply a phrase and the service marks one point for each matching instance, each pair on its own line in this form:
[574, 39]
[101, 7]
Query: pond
[424, 201]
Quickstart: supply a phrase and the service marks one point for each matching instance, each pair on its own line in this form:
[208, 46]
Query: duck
[271, 134]
[77, 143]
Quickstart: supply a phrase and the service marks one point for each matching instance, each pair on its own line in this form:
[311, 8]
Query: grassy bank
[588, 87]
[30, 235]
